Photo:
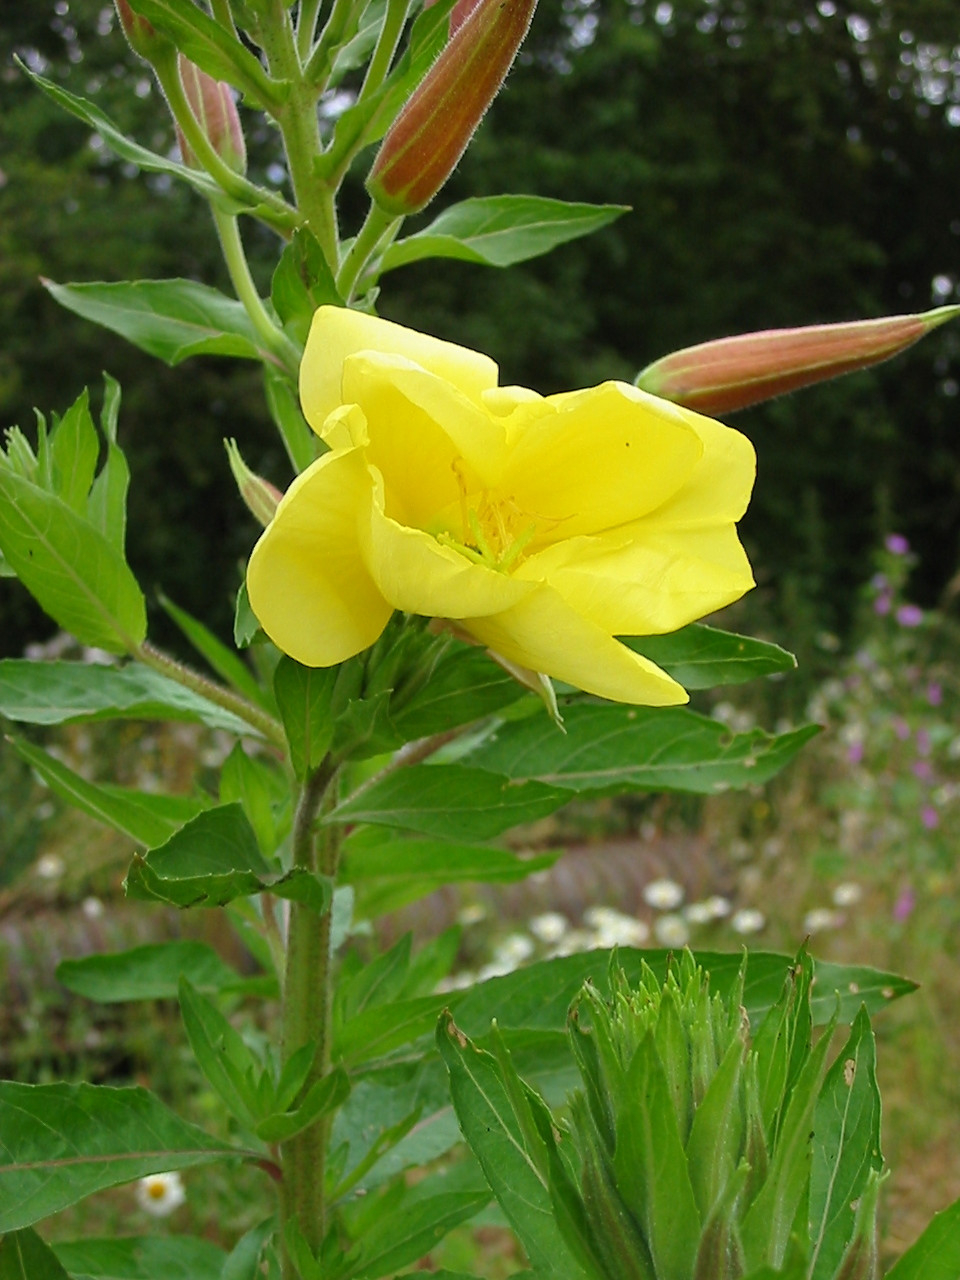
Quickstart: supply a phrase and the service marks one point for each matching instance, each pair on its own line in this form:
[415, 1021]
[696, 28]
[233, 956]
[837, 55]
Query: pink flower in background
[896, 544]
[934, 694]
[908, 615]
[903, 907]
[923, 742]
[921, 769]
[901, 728]
[929, 817]
[855, 752]
[882, 605]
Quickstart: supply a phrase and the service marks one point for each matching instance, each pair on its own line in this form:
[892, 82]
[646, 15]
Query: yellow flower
[542, 527]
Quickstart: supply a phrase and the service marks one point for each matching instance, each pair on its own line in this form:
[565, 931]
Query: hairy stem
[273, 338]
[377, 228]
[306, 1006]
[173, 669]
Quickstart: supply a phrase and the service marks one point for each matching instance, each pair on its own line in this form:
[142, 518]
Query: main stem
[306, 1007]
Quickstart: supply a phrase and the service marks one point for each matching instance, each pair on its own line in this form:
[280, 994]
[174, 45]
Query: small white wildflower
[92, 908]
[600, 917]
[160, 1193]
[625, 932]
[472, 914]
[671, 931]
[513, 950]
[548, 927]
[573, 941]
[456, 981]
[50, 867]
[698, 913]
[846, 894]
[821, 918]
[719, 906]
[496, 969]
[747, 920]
[663, 894]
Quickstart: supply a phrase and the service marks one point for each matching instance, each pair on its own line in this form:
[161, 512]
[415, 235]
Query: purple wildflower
[882, 605]
[896, 544]
[929, 817]
[909, 615]
[855, 752]
[904, 904]
[934, 694]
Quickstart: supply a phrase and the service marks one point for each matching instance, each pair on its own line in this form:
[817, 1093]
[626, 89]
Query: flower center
[494, 531]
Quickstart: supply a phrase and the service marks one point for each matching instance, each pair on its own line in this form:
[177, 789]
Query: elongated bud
[260, 496]
[142, 36]
[425, 142]
[732, 373]
[214, 109]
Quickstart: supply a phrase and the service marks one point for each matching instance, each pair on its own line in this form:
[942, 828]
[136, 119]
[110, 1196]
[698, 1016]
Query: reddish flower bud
[260, 496]
[732, 373]
[425, 142]
[142, 36]
[214, 109]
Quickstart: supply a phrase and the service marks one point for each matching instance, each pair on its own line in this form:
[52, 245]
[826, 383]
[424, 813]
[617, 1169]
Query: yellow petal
[593, 460]
[419, 575]
[337, 333]
[720, 486]
[543, 633]
[307, 582]
[429, 440]
[642, 580]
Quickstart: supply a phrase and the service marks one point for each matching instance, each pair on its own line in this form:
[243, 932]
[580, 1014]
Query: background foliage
[786, 163]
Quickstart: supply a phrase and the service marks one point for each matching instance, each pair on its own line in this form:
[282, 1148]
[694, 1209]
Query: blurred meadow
[787, 163]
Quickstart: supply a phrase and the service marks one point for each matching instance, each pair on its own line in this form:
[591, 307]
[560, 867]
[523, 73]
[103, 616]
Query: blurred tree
[787, 162]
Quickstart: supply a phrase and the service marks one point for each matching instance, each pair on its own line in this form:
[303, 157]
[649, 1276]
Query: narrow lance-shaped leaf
[608, 748]
[498, 231]
[25, 1256]
[142, 1258]
[60, 1143]
[69, 567]
[152, 972]
[169, 319]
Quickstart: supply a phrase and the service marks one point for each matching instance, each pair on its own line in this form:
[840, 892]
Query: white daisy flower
[846, 894]
[671, 931]
[663, 894]
[747, 920]
[821, 918]
[548, 927]
[160, 1193]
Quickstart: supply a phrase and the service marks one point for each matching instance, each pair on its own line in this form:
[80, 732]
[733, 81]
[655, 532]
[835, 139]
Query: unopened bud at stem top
[732, 373]
[211, 102]
[425, 142]
[142, 36]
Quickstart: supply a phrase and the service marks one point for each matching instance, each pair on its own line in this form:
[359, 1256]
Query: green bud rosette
[697, 1147]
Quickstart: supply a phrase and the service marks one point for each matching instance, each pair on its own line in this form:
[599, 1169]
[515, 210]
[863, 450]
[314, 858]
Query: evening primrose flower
[538, 527]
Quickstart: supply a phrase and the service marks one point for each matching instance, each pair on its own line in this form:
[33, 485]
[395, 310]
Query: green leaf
[169, 319]
[501, 230]
[388, 871]
[450, 801]
[701, 657]
[213, 48]
[465, 685]
[252, 1254]
[141, 1258]
[304, 696]
[302, 282]
[323, 1097]
[215, 858]
[68, 692]
[107, 501]
[74, 450]
[651, 1168]
[69, 567]
[846, 1147]
[62, 1142]
[540, 994]
[152, 972]
[425, 1215]
[147, 817]
[221, 1053]
[493, 1132]
[222, 660]
[24, 1256]
[259, 786]
[118, 142]
[301, 444]
[936, 1255]
[610, 748]
[381, 1028]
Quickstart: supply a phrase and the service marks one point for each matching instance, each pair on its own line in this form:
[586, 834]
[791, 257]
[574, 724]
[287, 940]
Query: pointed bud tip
[734, 373]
